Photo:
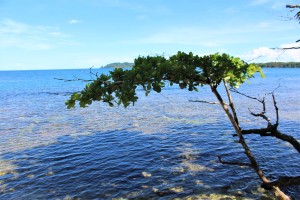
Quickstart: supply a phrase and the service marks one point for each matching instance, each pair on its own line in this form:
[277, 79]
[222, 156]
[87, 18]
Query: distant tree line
[280, 64]
[119, 65]
[264, 65]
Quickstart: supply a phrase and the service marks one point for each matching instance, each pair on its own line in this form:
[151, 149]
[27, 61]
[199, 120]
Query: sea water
[164, 147]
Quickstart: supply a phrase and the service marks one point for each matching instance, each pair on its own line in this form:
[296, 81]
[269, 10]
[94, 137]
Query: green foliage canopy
[151, 73]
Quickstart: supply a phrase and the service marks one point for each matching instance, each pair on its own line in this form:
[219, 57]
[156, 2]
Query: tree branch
[276, 109]
[236, 91]
[262, 115]
[282, 182]
[233, 163]
[273, 132]
[292, 6]
[76, 79]
[204, 102]
[286, 48]
[231, 103]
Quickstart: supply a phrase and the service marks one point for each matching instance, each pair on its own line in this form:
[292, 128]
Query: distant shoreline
[130, 65]
[263, 65]
[279, 65]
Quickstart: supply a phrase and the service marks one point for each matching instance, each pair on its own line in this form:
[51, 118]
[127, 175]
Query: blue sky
[64, 34]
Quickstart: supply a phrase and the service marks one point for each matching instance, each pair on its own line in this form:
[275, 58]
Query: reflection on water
[163, 148]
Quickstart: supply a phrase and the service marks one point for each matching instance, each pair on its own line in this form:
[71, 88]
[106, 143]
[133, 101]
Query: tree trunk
[248, 152]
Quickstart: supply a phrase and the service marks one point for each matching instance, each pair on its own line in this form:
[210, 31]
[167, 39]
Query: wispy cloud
[212, 37]
[185, 36]
[74, 21]
[265, 54]
[31, 37]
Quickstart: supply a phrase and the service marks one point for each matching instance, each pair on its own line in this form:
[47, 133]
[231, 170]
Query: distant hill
[264, 65]
[119, 65]
[280, 65]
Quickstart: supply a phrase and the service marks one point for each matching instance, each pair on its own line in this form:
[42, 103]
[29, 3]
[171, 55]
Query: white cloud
[31, 37]
[74, 21]
[211, 37]
[265, 54]
[187, 36]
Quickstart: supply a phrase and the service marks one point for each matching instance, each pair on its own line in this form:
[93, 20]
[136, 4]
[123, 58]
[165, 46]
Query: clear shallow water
[162, 148]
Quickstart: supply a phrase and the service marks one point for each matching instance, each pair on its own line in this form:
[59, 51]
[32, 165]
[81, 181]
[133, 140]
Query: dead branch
[276, 109]
[236, 91]
[282, 182]
[292, 6]
[262, 115]
[273, 132]
[92, 73]
[75, 79]
[271, 129]
[286, 48]
[204, 102]
[233, 163]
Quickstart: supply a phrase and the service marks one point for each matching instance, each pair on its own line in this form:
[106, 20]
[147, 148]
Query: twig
[262, 115]
[93, 73]
[236, 91]
[276, 109]
[76, 79]
[285, 48]
[275, 89]
[204, 102]
[234, 163]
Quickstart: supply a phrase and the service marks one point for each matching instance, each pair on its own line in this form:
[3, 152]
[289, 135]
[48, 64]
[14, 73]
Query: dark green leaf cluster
[152, 72]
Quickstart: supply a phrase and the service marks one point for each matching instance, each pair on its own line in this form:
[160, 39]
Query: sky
[72, 34]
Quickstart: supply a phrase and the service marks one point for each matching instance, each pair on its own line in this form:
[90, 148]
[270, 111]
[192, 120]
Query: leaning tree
[190, 71]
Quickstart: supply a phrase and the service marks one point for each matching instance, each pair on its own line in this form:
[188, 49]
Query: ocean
[164, 147]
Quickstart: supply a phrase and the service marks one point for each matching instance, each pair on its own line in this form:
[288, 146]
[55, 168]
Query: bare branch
[275, 89]
[262, 115]
[93, 72]
[261, 132]
[276, 109]
[283, 181]
[272, 131]
[204, 102]
[236, 91]
[292, 6]
[76, 79]
[234, 163]
[287, 48]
